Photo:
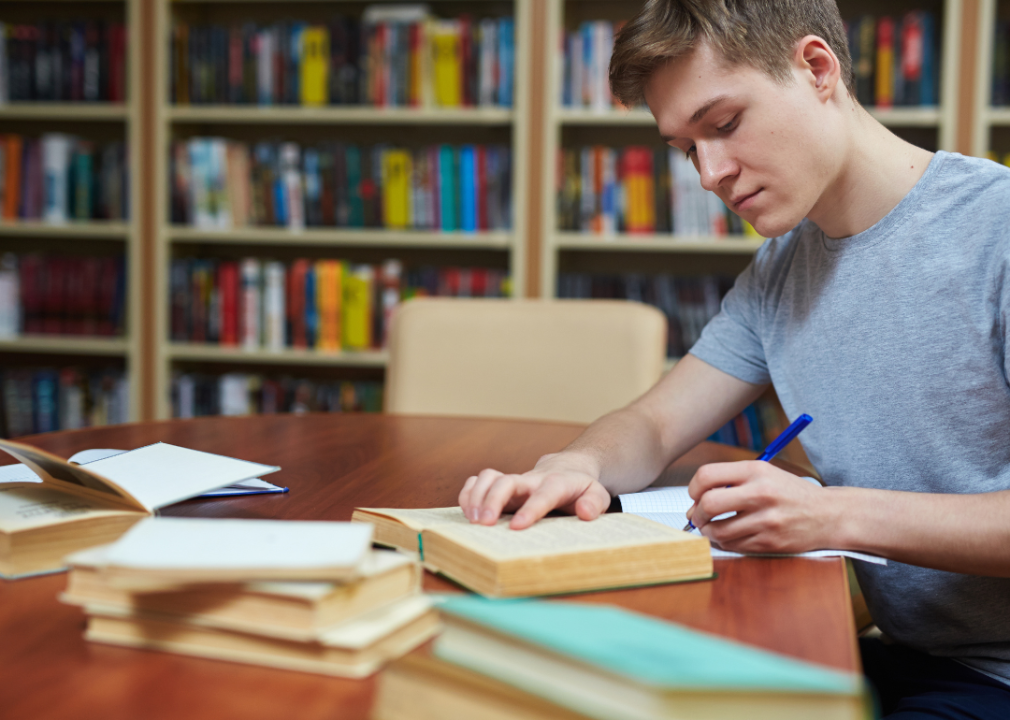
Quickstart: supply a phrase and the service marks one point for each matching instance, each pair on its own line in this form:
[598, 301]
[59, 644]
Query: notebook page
[679, 520]
[162, 474]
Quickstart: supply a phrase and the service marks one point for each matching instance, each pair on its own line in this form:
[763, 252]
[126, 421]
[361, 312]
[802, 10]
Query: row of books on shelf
[221, 184]
[687, 302]
[62, 295]
[636, 189]
[896, 61]
[394, 56]
[237, 393]
[59, 178]
[585, 74]
[327, 304]
[63, 61]
[1001, 63]
[37, 400]
[754, 429]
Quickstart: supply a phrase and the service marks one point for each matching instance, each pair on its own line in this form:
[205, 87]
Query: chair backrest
[565, 360]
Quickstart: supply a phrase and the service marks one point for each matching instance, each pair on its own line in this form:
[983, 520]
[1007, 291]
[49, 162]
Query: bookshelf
[933, 127]
[98, 121]
[991, 131]
[411, 127]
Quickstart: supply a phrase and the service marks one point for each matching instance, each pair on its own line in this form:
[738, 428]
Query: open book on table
[79, 506]
[557, 555]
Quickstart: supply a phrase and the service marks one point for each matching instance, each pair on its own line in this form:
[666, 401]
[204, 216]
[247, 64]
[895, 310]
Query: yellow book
[396, 173]
[328, 292]
[315, 65]
[359, 286]
[1006, 159]
[447, 64]
[749, 231]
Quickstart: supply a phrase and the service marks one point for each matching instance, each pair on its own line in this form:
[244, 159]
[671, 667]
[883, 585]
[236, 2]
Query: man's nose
[713, 165]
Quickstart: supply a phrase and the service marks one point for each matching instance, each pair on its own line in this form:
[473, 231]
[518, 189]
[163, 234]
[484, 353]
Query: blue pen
[787, 436]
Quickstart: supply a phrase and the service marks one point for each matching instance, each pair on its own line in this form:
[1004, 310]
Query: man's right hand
[562, 481]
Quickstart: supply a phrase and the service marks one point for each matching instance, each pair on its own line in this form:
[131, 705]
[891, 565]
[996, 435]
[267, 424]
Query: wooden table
[333, 463]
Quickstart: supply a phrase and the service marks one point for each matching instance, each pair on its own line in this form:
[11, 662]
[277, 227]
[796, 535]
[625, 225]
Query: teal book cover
[648, 650]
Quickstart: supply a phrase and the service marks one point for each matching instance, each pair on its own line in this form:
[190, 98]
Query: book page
[26, 508]
[48, 467]
[18, 472]
[559, 535]
[162, 474]
[225, 544]
[423, 518]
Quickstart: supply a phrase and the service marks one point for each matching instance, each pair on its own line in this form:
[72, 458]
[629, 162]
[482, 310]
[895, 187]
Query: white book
[233, 389]
[185, 389]
[292, 178]
[10, 296]
[56, 151]
[578, 68]
[274, 306]
[176, 550]
[199, 183]
[603, 47]
[265, 67]
[252, 311]
[488, 72]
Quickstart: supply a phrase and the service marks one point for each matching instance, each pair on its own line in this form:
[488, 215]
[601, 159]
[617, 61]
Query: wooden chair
[570, 361]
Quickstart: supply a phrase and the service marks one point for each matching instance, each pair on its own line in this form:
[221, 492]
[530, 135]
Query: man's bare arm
[623, 451]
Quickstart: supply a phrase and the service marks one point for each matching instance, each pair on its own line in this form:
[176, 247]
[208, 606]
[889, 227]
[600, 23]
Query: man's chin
[773, 227]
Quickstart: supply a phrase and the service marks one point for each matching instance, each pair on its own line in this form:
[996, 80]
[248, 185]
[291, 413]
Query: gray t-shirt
[896, 341]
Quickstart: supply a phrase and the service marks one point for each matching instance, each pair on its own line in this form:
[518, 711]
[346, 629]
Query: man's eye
[728, 126]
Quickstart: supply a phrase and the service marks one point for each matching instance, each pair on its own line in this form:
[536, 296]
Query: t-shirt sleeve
[731, 341]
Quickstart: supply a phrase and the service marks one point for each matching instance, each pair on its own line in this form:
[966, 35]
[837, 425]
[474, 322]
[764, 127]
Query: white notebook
[669, 506]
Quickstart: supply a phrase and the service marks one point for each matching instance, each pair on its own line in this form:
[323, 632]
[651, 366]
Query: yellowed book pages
[557, 555]
[355, 649]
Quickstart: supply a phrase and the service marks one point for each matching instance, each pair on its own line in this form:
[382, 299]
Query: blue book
[468, 188]
[610, 664]
[311, 311]
[47, 416]
[506, 61]
[447, 187]
[355, 201]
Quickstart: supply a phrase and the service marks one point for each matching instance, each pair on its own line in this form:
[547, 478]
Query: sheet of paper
[679, 520]
[18, 472]
[208, 544]
[162, 474]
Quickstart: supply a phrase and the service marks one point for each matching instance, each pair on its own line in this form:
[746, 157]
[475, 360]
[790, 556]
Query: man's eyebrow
[699, 114]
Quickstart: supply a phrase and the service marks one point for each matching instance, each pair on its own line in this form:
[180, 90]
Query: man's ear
[818, 65]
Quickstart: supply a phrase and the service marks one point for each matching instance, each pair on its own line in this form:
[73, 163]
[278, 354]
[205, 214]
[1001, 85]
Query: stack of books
[309, 596]
[568, 661]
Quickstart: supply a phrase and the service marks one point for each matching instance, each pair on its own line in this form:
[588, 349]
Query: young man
[881, 306]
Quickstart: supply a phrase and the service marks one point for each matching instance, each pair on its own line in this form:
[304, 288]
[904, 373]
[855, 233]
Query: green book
[611, 664]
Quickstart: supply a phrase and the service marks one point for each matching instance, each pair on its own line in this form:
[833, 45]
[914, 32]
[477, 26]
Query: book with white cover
[173, 551]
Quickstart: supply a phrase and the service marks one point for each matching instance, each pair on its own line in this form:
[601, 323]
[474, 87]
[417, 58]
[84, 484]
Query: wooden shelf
[907, 116]
[998, 116]
[217, 353]
[83, 229]
[76, 111]
[296, 114]
[65, 345]
[582, 116]
[339, 236]
[656, 243]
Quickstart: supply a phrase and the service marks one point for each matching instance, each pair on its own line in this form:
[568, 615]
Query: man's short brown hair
[760, 33]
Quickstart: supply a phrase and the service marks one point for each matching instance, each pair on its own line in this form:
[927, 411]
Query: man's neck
[878, 171]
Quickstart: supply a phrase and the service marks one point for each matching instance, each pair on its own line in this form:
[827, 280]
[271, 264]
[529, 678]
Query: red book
[91, 269]
[466, 61]
[55, 297]
[73, 297]
[478, 282]
[228, 282]
[108, 280]
[234, 62]
[380, 68]
[296, 303]
[116, 77]
[30, 272]
[414, 86]
[482, 220]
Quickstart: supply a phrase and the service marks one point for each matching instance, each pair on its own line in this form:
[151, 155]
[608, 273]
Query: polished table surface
[332, 464]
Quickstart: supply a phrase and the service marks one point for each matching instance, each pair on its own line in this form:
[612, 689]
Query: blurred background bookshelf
[165, 91]
[69, 237]
[419, 114]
